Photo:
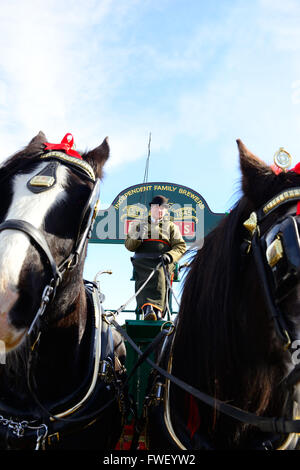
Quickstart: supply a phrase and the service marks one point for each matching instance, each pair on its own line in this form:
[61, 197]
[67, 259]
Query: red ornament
[296, 169]
[276, 169]
[66, 145]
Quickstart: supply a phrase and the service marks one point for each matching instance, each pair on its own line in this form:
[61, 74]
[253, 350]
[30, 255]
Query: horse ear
[255, 173]
[97, 157]
[36, 144]
[40, 138]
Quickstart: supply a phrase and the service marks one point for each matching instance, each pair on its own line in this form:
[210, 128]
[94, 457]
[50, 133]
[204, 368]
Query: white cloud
[55, 72]
[69, 65]
[253, 89]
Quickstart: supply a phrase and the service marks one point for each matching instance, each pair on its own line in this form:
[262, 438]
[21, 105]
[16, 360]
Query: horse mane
[209, 299]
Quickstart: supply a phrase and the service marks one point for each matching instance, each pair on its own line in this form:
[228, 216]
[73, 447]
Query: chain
[18, 429]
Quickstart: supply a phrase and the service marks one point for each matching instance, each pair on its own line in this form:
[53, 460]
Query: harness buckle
[159, 389]
[156, 395]
[53, 438]
[73, 262]
[109, 314]
[105, 372]
[47, 293]
[171, 328]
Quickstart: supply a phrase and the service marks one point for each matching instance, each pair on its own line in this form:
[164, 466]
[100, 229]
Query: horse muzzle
[9, 335]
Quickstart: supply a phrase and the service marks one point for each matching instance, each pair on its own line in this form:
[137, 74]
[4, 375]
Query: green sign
[187, 208]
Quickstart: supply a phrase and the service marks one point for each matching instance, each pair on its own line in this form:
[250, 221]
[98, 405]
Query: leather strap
[33, 233]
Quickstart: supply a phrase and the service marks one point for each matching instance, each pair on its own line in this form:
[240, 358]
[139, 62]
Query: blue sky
[195, 74]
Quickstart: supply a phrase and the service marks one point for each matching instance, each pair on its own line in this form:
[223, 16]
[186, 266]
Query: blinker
[44, 180]
[283, 254]
[276, 253]
[41, 180]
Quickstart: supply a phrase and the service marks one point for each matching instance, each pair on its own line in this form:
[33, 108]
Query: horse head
[51, 193]
[272, 235]
[239, 314]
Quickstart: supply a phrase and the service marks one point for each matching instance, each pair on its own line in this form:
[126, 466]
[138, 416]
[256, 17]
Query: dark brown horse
[237, 325]
[60, 377]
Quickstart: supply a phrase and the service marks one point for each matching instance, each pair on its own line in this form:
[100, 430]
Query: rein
[265, 424]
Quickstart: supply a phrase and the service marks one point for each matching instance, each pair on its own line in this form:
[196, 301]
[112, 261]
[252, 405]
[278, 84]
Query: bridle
[276, 252]
[43, 181]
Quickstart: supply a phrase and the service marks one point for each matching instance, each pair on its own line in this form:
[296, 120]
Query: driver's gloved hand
[166, 258]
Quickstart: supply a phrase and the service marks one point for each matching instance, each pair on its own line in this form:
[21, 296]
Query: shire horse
[62, 373]
[237, 331]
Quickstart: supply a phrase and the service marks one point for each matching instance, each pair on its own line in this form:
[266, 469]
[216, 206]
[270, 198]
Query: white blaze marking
[32, 208]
